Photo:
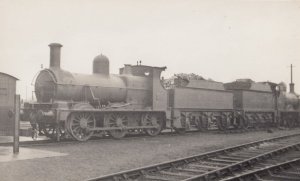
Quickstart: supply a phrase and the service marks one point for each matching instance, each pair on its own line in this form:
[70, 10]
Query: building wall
[7, 93]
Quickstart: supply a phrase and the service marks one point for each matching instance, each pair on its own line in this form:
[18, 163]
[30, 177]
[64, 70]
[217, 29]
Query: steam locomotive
[137, 101]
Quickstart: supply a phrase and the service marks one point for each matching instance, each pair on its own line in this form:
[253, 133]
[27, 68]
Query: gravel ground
[92, 159]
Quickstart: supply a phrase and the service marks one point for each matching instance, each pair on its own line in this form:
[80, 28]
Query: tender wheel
[180, 130]
[184, 125]
[297, 121]
[79, 125]
[120, 121]
[202, 123]
[222, 122]
[152, 120]
[241, 122]
[245, 124]
[255, 122]
[53, 132]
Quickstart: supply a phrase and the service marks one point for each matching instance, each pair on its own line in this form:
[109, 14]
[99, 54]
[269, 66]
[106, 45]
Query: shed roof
[2, 73]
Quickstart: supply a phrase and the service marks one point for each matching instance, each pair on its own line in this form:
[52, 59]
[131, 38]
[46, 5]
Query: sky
[221, 40]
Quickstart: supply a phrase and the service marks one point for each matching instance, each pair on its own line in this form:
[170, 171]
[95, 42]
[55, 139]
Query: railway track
[70, 141]
[95, 139]
[287, 171]
[228, 163]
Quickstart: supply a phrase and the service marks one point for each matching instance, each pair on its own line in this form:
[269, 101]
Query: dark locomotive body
[81, 105]
[265, 104]
[288, 107]
[135, 101]
[256, 100]
[201, 105]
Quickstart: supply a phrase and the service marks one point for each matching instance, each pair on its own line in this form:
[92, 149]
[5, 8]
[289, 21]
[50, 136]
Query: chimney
[292, 85]
[292, 88]
[55, 55]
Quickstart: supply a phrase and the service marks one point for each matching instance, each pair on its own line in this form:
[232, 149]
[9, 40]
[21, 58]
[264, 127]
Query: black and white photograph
[150, 90]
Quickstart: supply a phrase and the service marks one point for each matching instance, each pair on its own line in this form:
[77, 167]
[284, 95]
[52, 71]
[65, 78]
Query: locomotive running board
[118, 128]
[109, 110]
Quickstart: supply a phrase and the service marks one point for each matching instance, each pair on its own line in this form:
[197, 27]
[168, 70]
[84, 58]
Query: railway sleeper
[153, 177]
[213, 163]
[223, 161]
[231, 158]
[280, 173]
[255, 152]
[262, 164]
[282, 177]
[290, 173]
[190, 170]
[212, 167]
[246, 155]
[240, 156]
[164, 176]
[178, 173]
[200, 169]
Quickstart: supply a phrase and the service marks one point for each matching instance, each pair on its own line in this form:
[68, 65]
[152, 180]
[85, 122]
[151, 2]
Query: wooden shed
[7, 93]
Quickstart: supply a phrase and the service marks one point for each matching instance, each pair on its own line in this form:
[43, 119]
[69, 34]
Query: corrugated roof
[8, 75]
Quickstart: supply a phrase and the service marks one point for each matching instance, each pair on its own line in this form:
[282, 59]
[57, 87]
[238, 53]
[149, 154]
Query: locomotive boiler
[57, 84]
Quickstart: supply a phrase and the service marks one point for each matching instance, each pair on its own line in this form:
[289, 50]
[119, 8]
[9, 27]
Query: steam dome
[101, 65]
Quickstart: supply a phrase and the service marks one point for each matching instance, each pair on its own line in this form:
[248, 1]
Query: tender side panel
[190, 98]
[238, 99]
[257, 100]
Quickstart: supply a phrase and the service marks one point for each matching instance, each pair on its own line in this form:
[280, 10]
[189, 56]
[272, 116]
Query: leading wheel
[79, 125]
[119, 121]
[152, 120]
[53, 131]
[49, 131]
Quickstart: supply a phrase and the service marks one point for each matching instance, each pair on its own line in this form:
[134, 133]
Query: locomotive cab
[144, 87]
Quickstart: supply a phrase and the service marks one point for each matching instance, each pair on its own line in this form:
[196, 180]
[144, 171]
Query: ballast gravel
[95, 158]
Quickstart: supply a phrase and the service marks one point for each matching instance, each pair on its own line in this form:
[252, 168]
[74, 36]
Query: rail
[213, 165]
